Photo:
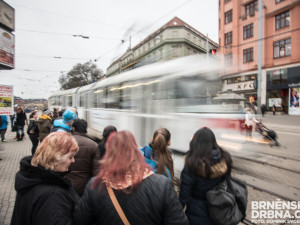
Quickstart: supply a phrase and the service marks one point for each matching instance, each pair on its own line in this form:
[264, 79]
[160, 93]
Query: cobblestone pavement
[11, 153]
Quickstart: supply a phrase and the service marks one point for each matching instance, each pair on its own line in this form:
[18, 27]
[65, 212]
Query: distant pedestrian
[250, 122]
[263, 109]
[206, 165]
[87, 160]
[20, 121]
[158, 156]
[55, 113]
[44, 195]
[33, 131]
[144, 197]
[3, 127]
[64, 124]
[44, 124]
[105, 134]
[273, 109]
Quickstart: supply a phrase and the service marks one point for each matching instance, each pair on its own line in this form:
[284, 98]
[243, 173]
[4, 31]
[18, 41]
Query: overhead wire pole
[259, 58]
[207, 47]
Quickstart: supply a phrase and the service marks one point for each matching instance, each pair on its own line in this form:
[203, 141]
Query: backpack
[227, 202]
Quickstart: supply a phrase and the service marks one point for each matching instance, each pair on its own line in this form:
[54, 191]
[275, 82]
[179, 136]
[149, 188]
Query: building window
[248, 31]
[248, 55]
[282, 48]
[277, 76]
[175, 51]
[233, 80]
[283, 20]
[228, 16]
[174, 34]
[250, 8]
[228, 38]
[188, 36]
[228, 59]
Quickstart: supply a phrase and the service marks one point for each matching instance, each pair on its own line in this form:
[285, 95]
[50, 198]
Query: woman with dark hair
[33, 131]
[158, 156]
[44, 195]
[105, 134]
[144, 197]
[206, 165]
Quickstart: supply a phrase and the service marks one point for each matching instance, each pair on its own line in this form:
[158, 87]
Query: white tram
[176, 94]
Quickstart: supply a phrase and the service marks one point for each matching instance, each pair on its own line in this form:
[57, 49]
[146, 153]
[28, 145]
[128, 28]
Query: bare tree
[80, 75]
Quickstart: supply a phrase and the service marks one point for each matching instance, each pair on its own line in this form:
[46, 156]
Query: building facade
[238, 48]
[173, 40]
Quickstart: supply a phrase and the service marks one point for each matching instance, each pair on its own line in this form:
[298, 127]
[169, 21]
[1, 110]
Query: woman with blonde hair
[158, 156]
[44, 196]
[126, 191]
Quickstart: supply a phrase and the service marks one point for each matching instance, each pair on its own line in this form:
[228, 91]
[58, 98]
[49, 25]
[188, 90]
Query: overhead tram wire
[72, 35]
[72, 17]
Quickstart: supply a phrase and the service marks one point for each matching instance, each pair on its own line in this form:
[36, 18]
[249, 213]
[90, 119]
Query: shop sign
[248, 85]
[294, 85]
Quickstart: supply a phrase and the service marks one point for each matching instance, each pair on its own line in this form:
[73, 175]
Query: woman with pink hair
[143, 197]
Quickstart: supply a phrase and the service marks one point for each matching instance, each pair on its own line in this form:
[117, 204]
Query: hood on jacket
[30, 176]
[60, 123]
[44, 117]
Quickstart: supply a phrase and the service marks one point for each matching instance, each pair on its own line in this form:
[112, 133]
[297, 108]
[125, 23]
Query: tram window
[70, 100]
[192, 94]
[60, 100]
[101, 98]
[81, 103]
[89, 99]
[94, 97]
[113, 97]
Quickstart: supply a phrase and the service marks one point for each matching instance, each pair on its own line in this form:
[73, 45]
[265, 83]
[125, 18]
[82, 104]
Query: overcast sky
[45, 45]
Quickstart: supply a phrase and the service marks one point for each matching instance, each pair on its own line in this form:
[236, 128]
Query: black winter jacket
[154, 201]
[193, 190]
[43, 197]
[21, 118]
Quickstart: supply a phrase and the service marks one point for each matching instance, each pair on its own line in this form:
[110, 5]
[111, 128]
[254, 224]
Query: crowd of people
[74, 178]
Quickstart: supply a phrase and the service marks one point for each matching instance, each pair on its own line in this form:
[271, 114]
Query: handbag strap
[117, 205]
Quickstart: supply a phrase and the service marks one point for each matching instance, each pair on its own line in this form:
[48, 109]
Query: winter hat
[46, 111]
[69, 115]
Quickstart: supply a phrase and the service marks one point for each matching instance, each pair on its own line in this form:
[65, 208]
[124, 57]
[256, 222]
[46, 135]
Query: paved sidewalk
[11, 153]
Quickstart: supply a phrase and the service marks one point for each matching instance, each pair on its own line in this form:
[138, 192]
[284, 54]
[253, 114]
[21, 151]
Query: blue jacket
[59, 125]
[4, 122]
[147, 153]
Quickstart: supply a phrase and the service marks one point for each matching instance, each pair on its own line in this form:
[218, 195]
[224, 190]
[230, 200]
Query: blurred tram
[177, 94]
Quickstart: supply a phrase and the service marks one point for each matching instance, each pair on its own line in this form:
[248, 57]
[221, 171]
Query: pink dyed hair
[122, 157]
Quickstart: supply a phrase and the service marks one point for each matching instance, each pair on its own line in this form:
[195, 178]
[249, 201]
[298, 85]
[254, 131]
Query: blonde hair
[55, 148]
